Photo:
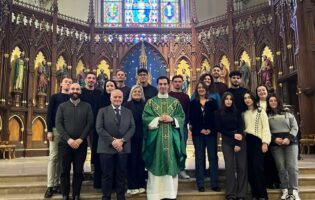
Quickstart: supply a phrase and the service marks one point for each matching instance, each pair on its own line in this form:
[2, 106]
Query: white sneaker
[296, 195]
[141, 190]
[184, 175]
[135, 191]
[284, 194]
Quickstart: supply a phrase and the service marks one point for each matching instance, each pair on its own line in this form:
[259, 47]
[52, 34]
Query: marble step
[306, 193]
[87, 187]
[26, 178]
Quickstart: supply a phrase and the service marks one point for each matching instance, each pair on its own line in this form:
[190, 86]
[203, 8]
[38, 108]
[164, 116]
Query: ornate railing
[212, 20]
[252, 9]
[32, 7]
[72, 19]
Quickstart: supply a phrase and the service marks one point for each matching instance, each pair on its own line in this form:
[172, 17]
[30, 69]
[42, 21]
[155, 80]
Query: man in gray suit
[115, 126]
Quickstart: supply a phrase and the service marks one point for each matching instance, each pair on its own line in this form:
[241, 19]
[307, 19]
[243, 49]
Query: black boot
[65, 197]
[49, 192]
[57, 190]
[77, 197]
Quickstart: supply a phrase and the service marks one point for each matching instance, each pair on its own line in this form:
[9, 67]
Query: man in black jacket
[74, 121]
[93, 96]
[53, 171]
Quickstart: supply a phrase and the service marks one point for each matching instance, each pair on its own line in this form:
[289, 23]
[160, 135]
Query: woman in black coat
[109, 86]
[230, 124]
[136, 171]
[204, 135]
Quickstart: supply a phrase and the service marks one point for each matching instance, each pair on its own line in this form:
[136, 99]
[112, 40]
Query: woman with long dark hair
[212, 91]
[109, 86]
[284, 148]
[270, 169]
[256, 128]
[229, 123]
[136, 171]
[204, 135]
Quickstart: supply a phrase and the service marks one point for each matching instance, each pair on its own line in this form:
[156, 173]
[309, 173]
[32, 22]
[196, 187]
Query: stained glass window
[169, 13]
[112, 13]
[141, 12]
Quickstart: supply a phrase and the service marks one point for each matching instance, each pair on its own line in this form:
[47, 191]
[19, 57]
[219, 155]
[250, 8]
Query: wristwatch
[123, 140]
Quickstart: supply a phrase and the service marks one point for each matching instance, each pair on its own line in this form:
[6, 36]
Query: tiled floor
[38, 165]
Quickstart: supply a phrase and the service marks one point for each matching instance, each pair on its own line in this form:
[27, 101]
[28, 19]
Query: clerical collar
[114, 107]
[162, 96]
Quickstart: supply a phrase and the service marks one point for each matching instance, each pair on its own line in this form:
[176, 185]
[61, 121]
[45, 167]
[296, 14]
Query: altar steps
[32, 187]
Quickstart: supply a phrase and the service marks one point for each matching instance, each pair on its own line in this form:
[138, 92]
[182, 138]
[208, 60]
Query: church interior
[51, 38]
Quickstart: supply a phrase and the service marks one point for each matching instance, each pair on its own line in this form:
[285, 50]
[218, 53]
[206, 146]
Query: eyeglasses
[142, 74]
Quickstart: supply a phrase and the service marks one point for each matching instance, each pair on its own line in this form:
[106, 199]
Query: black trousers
[255, 160]
[77, 158]
[136, 169]
[114, 169]
[235, 171]
[95, 160]
[271, 171]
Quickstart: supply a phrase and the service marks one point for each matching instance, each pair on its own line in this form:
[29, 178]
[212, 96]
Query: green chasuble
[163, 147]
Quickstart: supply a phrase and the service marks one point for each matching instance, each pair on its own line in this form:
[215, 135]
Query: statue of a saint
[246, 76]
[19, 72]
[265, 72]
[63, 72]
[101, 79]
[186, 83]
[43, 78]
[81, 78]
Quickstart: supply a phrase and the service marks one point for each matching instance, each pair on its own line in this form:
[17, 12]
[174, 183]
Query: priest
[163, 150]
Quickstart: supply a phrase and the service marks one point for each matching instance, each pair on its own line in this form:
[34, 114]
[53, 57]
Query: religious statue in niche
[43, 78]
[64, 72]
[246, 76]
[101, 79]
[265, 72]
[81, 78]
[203, 70]
[19, 72]
[224, 73]
[186, 83]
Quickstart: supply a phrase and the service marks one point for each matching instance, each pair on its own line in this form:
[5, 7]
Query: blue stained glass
[169, 10]
[141, 11]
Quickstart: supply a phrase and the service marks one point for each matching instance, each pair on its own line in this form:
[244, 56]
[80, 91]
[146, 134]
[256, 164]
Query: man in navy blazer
[115, 126]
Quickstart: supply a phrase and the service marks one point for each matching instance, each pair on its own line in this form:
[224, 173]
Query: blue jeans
[287, 164]
[201, 143]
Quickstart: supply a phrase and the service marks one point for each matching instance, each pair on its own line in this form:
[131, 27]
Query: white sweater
[257, 124]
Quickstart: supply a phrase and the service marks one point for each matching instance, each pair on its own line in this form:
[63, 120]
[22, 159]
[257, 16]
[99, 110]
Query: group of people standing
[143, 127]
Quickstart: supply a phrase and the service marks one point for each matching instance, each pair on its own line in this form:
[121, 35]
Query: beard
[235, 85]
[75, 96]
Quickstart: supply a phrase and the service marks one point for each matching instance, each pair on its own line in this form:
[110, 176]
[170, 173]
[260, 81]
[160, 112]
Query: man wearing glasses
[149, 90]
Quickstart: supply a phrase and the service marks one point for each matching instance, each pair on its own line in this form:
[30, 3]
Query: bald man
[74, 121]
[115, 126]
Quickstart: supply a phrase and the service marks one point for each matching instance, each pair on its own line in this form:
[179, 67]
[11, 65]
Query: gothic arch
[103, 57]
[38, 130]
[21, 41]
[183, 57]
[16, 134]
[43, 45]
[139, 43]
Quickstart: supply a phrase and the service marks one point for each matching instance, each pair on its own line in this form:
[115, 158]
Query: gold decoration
[103, 65]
